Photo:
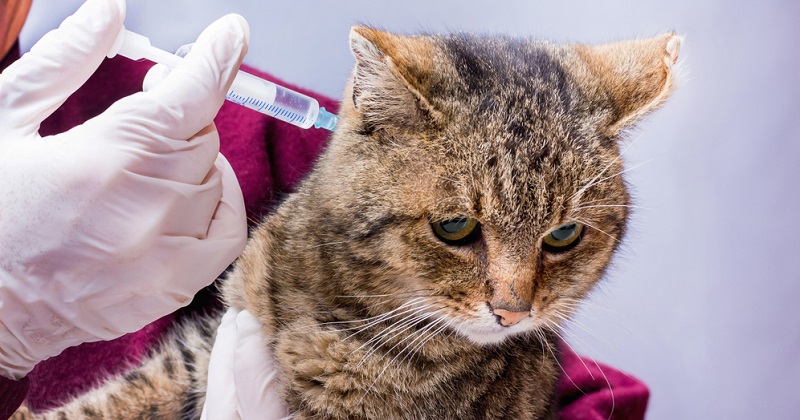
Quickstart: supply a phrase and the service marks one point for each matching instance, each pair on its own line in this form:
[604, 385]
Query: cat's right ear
[390, 78]
[631, 78]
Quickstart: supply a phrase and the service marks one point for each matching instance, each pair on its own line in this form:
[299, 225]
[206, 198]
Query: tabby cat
[468, 200]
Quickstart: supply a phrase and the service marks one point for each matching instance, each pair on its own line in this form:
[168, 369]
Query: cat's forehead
[504, 67]
[511, 97]
[519, 140]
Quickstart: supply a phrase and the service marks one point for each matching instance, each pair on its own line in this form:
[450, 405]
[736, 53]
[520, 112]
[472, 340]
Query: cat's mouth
[484, 328]
[493, 334]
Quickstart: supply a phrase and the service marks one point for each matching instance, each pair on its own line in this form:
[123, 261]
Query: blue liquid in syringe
[278, 102]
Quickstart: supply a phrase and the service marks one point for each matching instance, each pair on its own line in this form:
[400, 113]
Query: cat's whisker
[377, 318]
[632, 206]
[615, 239]
[588, 348]
[415, 351]
[557, 331]
[392, 296]
[553, 354]
[578, 306]
[393, 299]
[582, 302]
[572, 306]
[583, 328]
[594, 181]
[385, 294]
[371, 321]
[456, 331]
[390, 363]
[549, 348]
[402, 314]
[622, 172]
[316, 325]
[417, 335]
[415, 313]
[581, 342]
[409, 325]
[397, 329]
[451, 180]
[599, 368]
[599, 200]
[585, 347]
[539, 336]
[384, 317]
[416, 348]
[570, 311]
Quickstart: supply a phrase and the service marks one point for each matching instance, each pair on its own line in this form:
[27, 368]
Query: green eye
[563, 238]
[460, 231]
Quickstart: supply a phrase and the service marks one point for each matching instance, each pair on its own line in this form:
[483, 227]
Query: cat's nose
[509, 318]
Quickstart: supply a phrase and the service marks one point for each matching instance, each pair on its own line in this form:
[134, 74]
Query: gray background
[702, 303]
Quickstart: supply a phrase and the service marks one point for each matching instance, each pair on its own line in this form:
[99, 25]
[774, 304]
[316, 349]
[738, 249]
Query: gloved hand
[241, 373]
[121, 220]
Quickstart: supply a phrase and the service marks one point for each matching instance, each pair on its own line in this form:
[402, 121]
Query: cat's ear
[633, 77]
[390, 77]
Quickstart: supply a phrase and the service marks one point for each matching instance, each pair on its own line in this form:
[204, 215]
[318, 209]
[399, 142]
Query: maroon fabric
[11, 395]
[589, 390]
[269, 158]
[10, 57]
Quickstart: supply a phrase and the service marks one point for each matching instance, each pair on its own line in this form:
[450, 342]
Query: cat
[466, 204]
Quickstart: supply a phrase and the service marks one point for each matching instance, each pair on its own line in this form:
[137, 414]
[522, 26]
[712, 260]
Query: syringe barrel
[273, 100]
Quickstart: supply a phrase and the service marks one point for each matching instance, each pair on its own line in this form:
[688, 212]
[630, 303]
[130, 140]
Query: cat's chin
[487, 334]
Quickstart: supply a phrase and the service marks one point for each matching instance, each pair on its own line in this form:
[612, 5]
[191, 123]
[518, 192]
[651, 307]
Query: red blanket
[269, 158]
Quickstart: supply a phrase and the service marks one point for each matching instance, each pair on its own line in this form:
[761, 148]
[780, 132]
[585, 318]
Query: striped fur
[169, 384]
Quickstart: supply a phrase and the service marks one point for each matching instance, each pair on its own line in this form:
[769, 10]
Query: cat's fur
[368, 313]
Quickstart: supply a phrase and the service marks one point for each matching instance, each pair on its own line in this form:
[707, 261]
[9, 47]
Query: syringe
[247, 90]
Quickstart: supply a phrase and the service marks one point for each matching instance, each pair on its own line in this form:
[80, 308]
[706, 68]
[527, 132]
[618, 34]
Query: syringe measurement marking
[260, 105]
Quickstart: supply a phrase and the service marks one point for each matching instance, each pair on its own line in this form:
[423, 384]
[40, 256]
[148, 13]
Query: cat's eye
[458, 231]
[563, 238]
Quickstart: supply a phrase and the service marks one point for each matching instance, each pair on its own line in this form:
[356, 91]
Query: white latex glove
[121, 220]
[241, 373]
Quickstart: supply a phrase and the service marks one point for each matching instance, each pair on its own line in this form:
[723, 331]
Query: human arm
[120, 220]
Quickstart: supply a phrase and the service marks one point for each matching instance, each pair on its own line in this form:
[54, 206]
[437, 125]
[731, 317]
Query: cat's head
[475, 180]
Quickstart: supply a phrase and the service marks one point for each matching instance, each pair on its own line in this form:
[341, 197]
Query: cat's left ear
[391, 78]
[632, 77]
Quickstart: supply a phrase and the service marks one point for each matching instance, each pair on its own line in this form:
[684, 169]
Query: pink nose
[509, 318]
